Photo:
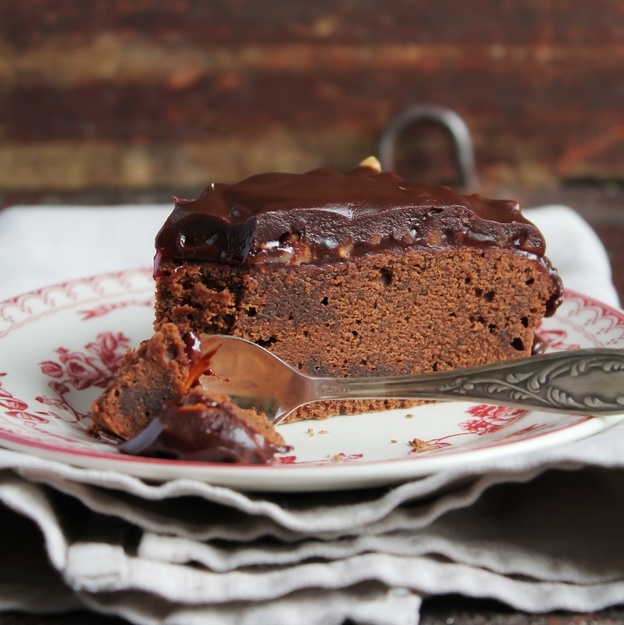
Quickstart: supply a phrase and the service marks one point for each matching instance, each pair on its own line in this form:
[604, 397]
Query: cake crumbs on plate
[409, 415]
[339, 457]
[418, 445]
[310, 432]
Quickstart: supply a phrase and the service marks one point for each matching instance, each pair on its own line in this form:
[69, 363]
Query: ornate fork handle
[589, 381]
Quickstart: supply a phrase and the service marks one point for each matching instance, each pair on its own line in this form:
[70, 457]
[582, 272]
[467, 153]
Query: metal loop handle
[450, 121]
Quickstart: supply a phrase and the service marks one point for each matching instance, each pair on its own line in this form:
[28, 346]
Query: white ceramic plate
[59, 346]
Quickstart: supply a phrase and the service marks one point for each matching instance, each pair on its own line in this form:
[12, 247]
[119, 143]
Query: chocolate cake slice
[356, 274]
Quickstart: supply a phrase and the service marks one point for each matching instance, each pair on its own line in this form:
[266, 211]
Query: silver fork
[584, 381]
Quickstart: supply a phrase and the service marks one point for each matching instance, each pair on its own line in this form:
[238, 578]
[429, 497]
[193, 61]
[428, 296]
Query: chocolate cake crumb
[418, 445]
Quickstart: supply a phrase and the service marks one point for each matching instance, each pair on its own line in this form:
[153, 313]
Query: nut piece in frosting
[372, 162]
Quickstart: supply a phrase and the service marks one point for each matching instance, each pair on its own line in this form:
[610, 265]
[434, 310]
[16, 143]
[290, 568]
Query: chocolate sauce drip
[198, 428]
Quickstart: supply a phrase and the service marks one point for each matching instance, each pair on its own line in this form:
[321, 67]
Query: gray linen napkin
[539, 531]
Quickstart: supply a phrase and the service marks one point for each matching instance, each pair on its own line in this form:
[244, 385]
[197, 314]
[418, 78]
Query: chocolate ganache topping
[324, 216]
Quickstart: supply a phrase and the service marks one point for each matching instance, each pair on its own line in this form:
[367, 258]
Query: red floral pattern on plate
[18, 409]
[489, 419]
[485, 420]
[74, 370]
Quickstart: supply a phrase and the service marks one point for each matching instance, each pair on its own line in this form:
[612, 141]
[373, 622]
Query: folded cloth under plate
[539, 531]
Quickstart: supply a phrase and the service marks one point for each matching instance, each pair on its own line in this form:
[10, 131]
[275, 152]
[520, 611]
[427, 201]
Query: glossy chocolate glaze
[323, 216]
[199, 428]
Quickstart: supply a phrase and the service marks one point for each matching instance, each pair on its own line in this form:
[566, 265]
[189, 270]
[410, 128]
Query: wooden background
[133, 100]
